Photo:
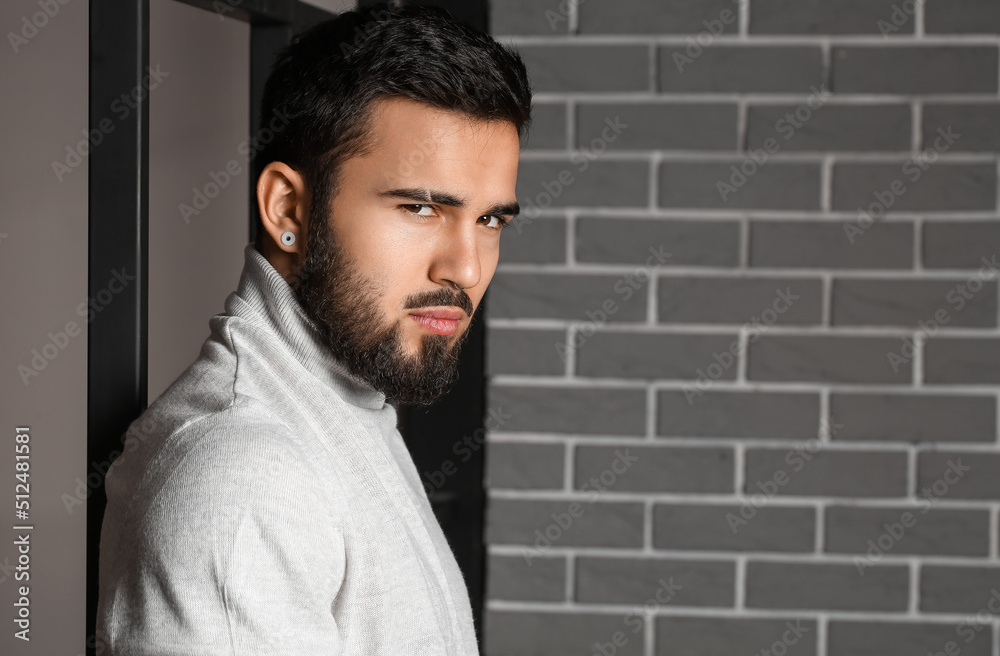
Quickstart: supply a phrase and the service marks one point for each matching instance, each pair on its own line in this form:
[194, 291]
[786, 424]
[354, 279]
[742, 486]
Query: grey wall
[43, 279]
[766, 367]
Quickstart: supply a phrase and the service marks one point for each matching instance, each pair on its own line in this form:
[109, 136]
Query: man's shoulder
[227, 452]
[244, 435]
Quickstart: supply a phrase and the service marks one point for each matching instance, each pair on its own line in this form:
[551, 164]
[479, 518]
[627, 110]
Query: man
[265, 503]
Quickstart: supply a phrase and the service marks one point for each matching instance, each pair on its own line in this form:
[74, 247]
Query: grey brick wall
[746, 332]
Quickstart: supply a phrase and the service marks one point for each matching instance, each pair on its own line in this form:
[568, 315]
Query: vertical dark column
[118, 233]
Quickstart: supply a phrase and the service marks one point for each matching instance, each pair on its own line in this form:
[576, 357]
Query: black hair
[325, 81]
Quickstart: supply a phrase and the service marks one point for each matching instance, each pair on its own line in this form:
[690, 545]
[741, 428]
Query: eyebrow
[444, 198]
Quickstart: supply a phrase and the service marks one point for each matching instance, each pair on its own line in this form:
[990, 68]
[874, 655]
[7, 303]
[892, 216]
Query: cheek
[388, 250]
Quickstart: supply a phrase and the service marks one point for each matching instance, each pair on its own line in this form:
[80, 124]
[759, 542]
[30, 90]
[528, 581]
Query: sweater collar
[269, 302]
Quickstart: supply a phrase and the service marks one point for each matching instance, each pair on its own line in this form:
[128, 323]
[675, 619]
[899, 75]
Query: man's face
[412, 219]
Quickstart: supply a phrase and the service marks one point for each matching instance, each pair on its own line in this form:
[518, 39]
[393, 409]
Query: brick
[729, 635]
[824, 244]
[977, 123]
[714, 413]
[634, 580]
[587, 410]
[572, 297]
[518, 465]
[914, 417]
[859, 128]
[603, 68]
[801, 586]
[961, 245]
[914, 69]
[911, 303]
[925, 531]
[945, 589]
[597, 524]
[739, 300]
[823, 17]
[628, 241]
[656, 126]
[540, 241]
[548, 127]
[541, 17]
[711, 528]
[654, 469]
[650, 356]
[956, 475]
[561, 634]
[880, 638]
[722, 185]
[815, 471]
[523, 351]
[961, 17]
[652, 17]
[580, 181]
[511, 578]
[740, 69]
[942, 186]
[966, 361]
[827, 358]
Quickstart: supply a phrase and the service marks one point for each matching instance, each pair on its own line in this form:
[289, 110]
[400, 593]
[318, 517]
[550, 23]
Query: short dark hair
[325, 81]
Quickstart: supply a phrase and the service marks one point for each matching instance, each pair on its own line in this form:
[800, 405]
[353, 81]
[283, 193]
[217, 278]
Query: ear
[284, 205]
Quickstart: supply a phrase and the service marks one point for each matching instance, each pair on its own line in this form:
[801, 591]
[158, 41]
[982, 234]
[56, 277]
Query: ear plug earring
[288, 238]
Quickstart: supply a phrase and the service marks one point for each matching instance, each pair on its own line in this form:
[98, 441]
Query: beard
[345, 304]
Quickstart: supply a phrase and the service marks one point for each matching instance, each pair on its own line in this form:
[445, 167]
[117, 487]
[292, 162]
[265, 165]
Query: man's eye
[495, 222]
[421, 207]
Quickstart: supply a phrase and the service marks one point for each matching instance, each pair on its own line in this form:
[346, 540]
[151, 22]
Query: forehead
[413, 140]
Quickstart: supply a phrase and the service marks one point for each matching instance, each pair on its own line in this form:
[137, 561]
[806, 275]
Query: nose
[456, 259]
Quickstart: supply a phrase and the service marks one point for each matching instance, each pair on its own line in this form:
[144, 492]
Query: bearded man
[269, 505]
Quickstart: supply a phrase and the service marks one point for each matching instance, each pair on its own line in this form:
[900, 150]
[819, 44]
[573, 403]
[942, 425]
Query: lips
[442, 321]
[441, 313]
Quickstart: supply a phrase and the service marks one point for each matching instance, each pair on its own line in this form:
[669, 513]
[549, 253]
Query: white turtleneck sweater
[266, 503]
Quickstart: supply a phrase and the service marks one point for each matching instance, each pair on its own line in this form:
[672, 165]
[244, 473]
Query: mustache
[440, 296]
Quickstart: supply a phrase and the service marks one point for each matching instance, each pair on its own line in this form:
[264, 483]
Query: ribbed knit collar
[269, 302]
